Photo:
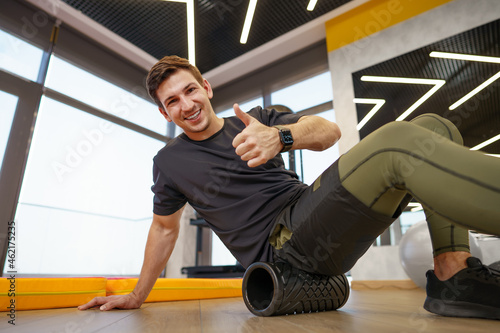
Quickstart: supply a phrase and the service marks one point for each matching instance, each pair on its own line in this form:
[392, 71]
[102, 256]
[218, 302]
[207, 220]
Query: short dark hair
[163, 69]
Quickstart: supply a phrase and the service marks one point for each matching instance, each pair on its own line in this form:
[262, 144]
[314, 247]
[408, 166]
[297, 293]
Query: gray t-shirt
[238, 202]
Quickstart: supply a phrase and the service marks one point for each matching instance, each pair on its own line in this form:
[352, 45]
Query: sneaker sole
[461, 309]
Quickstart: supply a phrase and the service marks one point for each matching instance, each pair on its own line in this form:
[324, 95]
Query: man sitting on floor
[231, 172]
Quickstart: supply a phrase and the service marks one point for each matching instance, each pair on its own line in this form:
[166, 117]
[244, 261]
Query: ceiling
[160, 27]
[478, 119]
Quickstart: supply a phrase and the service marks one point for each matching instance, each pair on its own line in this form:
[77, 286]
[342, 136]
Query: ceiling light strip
[487, 142]
[416, 206]
[422, 99]
[190, 29]
[467, 57]
[378, 104]
[191, 32]
[311, 5]
[405, 80]
[475, 91]
[248, 21]
[437, 83]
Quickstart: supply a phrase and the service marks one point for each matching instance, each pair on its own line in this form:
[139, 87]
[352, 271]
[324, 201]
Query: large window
[245, 106]
[313, 163]
[83, 86]
[305, 94]
[85, 205]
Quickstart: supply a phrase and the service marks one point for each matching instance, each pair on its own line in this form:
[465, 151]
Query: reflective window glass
[305, 94]
[19, 57]
[315, 162]
[245, 106]
[220, 254]
[101, 94]
[85, 205]
[407, 219]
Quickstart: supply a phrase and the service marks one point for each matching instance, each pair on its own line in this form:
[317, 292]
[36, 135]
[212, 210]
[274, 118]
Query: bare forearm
[314, 133]
[159, 247]
[161, 241]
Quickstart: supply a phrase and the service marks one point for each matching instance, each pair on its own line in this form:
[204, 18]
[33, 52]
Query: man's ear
[208, 88]
[164, 113]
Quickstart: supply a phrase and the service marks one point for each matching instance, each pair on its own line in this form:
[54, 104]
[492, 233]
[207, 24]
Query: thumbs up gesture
[257, 143]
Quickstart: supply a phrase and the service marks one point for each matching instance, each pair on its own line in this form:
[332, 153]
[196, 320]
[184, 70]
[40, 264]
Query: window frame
[80, 51]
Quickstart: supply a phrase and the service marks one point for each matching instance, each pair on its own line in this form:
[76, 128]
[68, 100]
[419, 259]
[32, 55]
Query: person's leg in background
[452, 182]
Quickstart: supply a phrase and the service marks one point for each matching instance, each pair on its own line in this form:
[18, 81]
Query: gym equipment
[217, 272]
[204, 271]
[415, 252]
[272, 289]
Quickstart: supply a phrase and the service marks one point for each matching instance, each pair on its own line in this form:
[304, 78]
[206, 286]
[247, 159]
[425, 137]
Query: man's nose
[186, 103]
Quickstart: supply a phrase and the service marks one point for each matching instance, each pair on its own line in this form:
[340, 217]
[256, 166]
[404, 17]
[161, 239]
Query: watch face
[287, 138]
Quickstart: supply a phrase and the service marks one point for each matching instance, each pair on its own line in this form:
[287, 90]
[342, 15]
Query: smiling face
[187, 103]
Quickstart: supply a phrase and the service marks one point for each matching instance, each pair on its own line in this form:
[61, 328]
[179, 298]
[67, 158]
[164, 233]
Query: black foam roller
[273, 289]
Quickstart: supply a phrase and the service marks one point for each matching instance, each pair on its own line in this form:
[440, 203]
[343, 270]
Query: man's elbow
[337, 132]
[332, 135]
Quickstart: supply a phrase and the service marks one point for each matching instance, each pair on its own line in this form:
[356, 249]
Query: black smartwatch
[285, 137]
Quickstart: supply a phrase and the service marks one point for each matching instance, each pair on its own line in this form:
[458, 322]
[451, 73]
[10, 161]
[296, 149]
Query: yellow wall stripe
[371, 17]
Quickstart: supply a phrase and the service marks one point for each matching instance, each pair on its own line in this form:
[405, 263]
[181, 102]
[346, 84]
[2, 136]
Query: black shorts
[330, 228]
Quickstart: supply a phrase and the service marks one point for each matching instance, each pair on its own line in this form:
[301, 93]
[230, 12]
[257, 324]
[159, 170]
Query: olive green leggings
[458, 188]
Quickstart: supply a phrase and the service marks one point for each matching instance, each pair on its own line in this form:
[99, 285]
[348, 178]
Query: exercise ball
[415, 252]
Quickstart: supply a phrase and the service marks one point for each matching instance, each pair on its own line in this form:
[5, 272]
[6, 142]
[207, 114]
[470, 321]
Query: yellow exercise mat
[180, 289]
[48, 293]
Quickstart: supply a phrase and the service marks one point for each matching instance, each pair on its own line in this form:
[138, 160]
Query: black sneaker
[472, 292]
[495, 266]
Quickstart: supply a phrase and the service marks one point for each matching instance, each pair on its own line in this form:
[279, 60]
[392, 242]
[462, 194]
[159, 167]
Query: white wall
[442, 22]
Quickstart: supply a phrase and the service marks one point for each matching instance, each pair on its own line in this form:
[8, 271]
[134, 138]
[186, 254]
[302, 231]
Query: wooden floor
[366, 311]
